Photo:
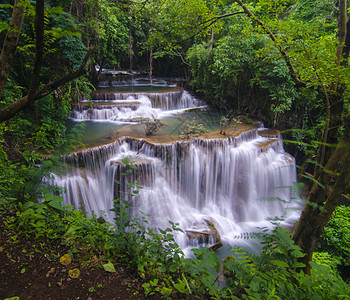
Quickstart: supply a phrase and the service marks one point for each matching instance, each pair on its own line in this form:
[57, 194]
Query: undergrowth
[160, 263]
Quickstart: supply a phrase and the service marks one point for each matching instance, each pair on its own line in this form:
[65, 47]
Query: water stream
[235, 183]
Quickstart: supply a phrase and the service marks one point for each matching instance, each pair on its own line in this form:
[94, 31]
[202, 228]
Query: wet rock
[213, 231]
[206, 236]
[201, 236]
[216, 246]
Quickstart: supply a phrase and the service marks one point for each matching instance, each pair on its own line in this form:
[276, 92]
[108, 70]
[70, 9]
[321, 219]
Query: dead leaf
[74, 273]
[59, 283]
[65, 260]
[50, 272]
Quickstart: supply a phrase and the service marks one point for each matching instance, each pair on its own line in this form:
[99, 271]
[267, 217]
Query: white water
[228, 182]
[134, 107]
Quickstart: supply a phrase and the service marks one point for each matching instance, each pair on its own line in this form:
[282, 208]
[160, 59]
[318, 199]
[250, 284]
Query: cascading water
[229, 182]
[226, 181]
[131, 107]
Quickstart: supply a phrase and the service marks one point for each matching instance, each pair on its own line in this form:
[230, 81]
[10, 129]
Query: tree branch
[222, 16]
[274, 39]
[51, 86]
[11, 110]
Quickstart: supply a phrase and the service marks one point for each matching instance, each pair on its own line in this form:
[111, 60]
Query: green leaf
[280, 263]
[109, 267]
[180, 286]
[172, 268]
[56, 204]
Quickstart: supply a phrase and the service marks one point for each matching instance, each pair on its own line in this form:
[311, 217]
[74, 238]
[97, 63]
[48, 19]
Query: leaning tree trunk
[333, 182]
[333, 179]
[334, 101]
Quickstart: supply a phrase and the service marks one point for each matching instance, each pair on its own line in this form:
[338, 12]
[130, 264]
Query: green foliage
[192, 128]
[105, 26]
[326, 260]
[203, 269]
[315, 11]
[226, 123]
[336, 237]
[273, 274]
[199, 57]
[273, 9]
[239, 62]
[152, 126]
[223, 124]
[70, 44]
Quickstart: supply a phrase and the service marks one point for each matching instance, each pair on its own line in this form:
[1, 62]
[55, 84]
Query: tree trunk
[334, 101]
[130, 50]
[10, 43]
[151, 65]
[333, 179]
[39, 50]
[320, 207]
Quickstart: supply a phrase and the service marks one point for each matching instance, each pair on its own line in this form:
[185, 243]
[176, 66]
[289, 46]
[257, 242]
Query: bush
[192, 128]
[152, 126]
[336, 238]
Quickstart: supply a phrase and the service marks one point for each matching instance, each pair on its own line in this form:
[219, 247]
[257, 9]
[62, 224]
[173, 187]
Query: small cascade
[130, 110]
[129, 80]
[133, 107]
[227, 182]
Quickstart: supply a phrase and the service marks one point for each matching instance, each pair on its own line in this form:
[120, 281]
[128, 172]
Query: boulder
[205, 236]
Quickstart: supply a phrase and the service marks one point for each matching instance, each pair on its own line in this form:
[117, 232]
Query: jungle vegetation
[282, 61]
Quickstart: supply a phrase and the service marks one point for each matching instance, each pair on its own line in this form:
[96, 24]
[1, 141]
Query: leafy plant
[336, 238]
[152, 126]
[223, 124]
[193, 127]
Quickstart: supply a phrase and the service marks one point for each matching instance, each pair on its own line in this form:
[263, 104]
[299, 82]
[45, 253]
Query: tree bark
[151, 64]
[334, 178]
[10, 43]
[320, 207]
[39, 50]
[334, 101]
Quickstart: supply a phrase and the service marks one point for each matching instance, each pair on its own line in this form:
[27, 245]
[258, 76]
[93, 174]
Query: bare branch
[211, 21]
[216, 18]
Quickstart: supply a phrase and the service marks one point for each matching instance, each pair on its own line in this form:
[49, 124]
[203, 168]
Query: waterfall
[127, 111]
[133, 107]
[229, 182]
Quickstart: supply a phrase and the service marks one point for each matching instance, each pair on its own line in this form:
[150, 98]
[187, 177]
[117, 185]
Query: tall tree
[332, 173]
[10, 42]
[7, 54]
